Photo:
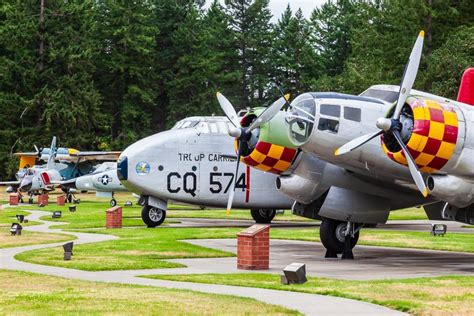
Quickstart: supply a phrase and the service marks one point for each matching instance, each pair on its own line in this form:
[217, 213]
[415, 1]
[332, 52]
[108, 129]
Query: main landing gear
[153, 216]
[339, 237]
[262, 216]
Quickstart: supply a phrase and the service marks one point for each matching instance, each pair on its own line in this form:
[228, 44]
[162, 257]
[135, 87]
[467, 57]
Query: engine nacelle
[454, 190]
[430, 131]
[297, 188]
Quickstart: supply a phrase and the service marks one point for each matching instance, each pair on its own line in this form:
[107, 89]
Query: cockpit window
[301, 117]
[331, 110]
[388, 96]
[185, 124]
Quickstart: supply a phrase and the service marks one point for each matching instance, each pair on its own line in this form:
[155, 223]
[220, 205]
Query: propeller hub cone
[384, 124]
[235, 132]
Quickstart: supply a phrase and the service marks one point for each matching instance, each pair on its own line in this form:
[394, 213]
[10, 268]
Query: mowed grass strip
[30, 238]
[412, 213]
[27, 293]
[451, 295]
[137, 248]
[8, 216]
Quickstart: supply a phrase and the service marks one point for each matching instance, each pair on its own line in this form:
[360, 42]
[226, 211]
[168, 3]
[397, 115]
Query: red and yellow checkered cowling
[434, 136]
[270, 157]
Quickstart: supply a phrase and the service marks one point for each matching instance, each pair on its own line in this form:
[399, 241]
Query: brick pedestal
[43, 199]
[114, 217]
[253, 248]
[14, 199]
[61, 200]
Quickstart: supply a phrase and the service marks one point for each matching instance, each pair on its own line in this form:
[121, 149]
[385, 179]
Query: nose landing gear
[153, 216]
[339, 237]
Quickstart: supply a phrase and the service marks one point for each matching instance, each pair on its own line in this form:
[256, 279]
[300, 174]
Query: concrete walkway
[309, 304]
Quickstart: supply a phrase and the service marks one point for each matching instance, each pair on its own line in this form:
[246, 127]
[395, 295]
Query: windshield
[300, 118]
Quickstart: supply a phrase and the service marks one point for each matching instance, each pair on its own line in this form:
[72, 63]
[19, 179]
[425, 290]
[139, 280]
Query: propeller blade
[228, 109]
[268, 114]
[409, 75]
[415, 173]
[232, 188]
[356, 143]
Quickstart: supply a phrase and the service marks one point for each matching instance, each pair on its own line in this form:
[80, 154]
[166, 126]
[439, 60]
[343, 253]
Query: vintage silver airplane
[426, 132]
[103, 180]
[61, 164]
[194, 163]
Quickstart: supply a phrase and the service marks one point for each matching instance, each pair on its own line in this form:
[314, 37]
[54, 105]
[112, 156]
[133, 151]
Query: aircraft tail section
[466, 89]
[52, 154]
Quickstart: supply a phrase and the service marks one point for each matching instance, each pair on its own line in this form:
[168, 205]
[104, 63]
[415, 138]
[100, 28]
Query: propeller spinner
[392, 126]
[244, 134]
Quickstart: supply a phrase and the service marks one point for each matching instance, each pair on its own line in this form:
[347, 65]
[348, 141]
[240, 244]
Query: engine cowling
[269, 148]
[429, 130]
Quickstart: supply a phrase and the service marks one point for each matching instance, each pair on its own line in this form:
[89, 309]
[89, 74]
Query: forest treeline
[101, 74]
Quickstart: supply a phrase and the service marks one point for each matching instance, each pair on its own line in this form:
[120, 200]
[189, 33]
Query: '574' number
[218, 181]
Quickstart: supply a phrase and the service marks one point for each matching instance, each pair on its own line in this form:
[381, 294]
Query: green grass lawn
[34, 294]
[408, 214]
[137, 248]
[30, 238]
[8, 216]
[420, 296]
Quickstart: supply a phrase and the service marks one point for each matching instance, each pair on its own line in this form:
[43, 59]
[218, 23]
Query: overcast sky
[278, 6]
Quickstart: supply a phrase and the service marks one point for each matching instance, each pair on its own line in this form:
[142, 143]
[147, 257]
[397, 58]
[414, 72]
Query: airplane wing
[16, 182]
[92, 156]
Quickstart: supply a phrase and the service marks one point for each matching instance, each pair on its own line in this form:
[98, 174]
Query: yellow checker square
[400, 158]
[446, 150]
[263, 167]
[258, 156]
[281, 165]
[427, 170]
[417, 142]
[450, 118]
[424, 159]
[275, 151]
[419, 113]
[436, 130]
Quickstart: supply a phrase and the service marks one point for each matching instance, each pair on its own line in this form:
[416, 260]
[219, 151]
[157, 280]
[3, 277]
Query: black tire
[262, 216]
[331, 234]
[153, 216]
[113, 202]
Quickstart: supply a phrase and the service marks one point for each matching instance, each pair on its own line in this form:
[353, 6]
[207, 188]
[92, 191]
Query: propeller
[243, 134]
[393, 125]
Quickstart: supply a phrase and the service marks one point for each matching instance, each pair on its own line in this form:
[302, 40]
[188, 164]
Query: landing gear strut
[113, 201]
[262, 216]
[339, 237]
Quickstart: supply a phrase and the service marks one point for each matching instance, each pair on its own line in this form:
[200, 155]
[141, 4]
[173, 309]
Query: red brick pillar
[253, 248]
[114, 217]
[43, 199]
[14, 199]
[61, 200]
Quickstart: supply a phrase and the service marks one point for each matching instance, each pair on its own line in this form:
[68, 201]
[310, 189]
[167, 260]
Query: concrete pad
[370, 263]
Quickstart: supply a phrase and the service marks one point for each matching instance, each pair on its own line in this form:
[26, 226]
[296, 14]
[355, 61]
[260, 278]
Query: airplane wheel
[262, 216]
[332, 235]
[153, 216]
[113, 202]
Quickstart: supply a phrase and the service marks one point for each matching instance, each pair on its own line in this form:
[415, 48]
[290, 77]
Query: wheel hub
[155, 214]
[341, 232]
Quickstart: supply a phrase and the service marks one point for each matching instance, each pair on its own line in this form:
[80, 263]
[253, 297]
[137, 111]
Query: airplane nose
[25, 185]
[122, 168]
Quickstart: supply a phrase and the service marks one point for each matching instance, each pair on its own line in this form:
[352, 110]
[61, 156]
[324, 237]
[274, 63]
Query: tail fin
[52, 154]
[466, 89]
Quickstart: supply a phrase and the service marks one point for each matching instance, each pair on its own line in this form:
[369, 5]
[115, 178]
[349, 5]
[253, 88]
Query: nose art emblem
[142, 168]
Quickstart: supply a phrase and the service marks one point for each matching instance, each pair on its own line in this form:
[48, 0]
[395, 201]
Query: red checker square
[436, 115]
[450, 134]
[390, 155]
[263, 147]
[432, 146]
[413, 153]
[288, 154]
[249, 161]
[437, 163]
[422, 127]
[269, 161]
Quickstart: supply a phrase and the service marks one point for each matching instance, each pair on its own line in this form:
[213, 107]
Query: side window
[328, 125]
[352, 114]
[213, 127]
[330, 110]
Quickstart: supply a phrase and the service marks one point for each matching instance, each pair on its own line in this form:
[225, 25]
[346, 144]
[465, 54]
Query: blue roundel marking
[143, 168]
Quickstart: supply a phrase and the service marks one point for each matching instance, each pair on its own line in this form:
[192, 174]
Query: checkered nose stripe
[270, 157]
[434, 137]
